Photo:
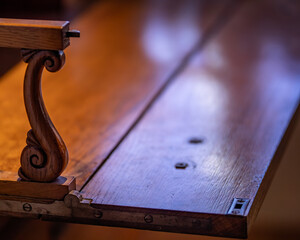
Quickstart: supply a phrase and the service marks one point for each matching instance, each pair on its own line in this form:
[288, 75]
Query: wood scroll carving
[45, 156]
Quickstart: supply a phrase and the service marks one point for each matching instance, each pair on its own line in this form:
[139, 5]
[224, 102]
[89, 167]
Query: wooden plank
[12, 186]
[127, 53]
[34, 34]
[216, 134]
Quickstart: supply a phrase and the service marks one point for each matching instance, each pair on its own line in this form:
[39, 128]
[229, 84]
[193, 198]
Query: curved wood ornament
[46, 155]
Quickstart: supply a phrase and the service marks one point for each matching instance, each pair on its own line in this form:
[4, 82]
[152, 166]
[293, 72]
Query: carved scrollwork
[45, 156]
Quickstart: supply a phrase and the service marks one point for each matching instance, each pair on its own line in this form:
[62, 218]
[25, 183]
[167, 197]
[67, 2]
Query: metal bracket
[238, 206]
[68, 208]
[75, 208]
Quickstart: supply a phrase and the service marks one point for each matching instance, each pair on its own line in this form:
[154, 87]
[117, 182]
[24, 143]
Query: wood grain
[45, 156]
[34, 34]
[127, 52]
[12, 187]
[226, 116]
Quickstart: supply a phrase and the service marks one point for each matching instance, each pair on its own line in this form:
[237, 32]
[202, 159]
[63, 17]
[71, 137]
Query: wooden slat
[226, 117]
[34, 34]
[126, 53]
[11, 186]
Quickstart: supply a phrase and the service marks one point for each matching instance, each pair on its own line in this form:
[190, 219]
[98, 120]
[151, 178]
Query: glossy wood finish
[45, 156]
[34, 34]
[14, 188]
[127, 53]
[226, 116]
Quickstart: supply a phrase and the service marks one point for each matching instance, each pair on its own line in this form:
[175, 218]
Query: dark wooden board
[227, 116]
[34, 34]
[127, 52]
[11, 186]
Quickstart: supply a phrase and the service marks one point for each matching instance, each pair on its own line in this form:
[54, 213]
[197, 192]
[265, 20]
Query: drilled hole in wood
[238, 206]
[181, 165]
[196, 140]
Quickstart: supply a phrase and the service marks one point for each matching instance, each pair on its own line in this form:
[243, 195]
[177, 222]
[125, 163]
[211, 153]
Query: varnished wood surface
[127, 52]
[34, 34]
[225, 116]
[45, 156]
[269, 225]
[247, 79]
[12, 187]
[30, 23]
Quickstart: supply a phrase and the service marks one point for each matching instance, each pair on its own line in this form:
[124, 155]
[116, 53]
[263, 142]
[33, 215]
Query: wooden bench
[173, 121]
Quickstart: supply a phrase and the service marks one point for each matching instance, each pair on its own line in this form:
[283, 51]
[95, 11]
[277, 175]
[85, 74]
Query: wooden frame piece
[13, 187]
[35, 34]
[45, 156]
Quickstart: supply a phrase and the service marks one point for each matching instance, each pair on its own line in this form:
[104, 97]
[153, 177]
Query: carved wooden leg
[45, 156]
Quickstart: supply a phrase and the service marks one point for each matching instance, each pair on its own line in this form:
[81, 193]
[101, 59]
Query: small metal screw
[235, 211]
[72, 33]
[27, 207]
[181, 165]
[148, 218]
[98, 214]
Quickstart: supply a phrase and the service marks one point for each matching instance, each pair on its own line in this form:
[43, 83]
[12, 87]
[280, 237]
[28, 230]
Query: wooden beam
[12, 187]
[34, 34]
[210, 144]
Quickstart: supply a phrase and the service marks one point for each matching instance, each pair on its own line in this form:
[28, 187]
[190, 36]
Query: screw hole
[238, 206]
[98, 214]
[148, 218]
[27, 207]
[181, 165]
[196, 140]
